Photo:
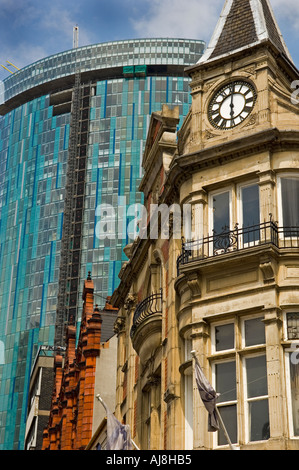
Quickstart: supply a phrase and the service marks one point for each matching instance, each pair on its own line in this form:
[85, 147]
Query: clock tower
[227, 292]
[237, 166]
[242, 84]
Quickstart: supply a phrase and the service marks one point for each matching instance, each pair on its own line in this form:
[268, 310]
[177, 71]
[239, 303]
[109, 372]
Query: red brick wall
[71, 415]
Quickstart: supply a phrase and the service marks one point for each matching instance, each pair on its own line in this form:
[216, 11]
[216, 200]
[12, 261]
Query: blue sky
[33, 29]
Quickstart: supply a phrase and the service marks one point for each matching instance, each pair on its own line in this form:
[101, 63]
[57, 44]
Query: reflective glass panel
[229, 417]
[259, 420]
[221, 212]
[290, 201]
[294, 377]
[224, 337]
[254, 332]
[256, 376]
[250, 213]
[250, 205]
[226, 381]
[293, 325]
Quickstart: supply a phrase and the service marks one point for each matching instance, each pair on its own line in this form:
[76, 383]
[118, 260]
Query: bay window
[240, 378]
[229, 233]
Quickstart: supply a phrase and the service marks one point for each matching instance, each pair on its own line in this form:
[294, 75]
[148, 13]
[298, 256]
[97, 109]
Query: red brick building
[70, 425]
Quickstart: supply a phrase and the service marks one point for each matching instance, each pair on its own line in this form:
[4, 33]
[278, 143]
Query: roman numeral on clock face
[231, 105]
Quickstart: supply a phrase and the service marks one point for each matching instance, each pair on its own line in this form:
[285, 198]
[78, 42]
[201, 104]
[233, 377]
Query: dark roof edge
[69, 81]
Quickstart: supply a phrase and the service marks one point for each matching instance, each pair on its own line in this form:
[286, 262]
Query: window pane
[251, 213]
[290, 201]
[294, 375]
[221, 212]
[259, 420]
[224, 337]
[254, 332]
[256, 376]
[229, 417]
[250, 205]
[293, 325]
[226, 381]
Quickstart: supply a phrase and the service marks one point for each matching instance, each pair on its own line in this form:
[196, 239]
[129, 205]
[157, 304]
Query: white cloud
[21, 56]
[197, 18]
[59, 23]
[287, 11]
[176, 18]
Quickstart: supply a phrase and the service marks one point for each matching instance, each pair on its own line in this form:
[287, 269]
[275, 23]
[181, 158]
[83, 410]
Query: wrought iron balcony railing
[146, 308]
[238, 239]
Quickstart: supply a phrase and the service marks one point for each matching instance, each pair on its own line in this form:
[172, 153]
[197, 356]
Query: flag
[208, 396]
[118, 435]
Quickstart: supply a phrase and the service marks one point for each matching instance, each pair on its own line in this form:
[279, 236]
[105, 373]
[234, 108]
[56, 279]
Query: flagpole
[193, 354]
[102, 401]
[224, 429]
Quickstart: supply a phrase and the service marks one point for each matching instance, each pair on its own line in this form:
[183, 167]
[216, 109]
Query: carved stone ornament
[194, 284]
[252, 121]
[130, 302]
[119, 325]
[170, 394]
[268, 268]
[209, 135]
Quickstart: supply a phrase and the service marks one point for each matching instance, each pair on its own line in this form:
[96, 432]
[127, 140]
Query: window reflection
[290, 201]
[294, 378]
[257, 396]
[225, 373]
[254, 332]
[224, 337]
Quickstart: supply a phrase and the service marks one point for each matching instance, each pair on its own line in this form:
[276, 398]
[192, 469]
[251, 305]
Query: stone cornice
[183, 166]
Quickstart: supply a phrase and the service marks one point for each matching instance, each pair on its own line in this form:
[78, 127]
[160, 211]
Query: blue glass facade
[34, 156]
[120, 114]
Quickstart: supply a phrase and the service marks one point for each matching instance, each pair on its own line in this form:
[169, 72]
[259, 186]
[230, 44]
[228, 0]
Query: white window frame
[285, 325]
[228, 189]
[188, 381]
[250, 400]
[188, 388]
[213, 337]
[243, 320]
[226, 403]
[239, 207]
[288, 352]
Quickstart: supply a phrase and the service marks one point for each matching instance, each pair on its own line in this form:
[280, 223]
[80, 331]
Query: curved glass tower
[72, 131]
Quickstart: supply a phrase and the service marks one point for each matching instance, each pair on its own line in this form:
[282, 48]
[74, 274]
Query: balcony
[231, 241]
[146, 330]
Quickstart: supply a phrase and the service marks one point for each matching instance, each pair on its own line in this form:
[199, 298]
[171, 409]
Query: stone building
[40, 393]
[87, 369]
[229, 288]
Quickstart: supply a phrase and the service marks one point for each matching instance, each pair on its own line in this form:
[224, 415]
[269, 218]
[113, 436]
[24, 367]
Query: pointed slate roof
[243, 24]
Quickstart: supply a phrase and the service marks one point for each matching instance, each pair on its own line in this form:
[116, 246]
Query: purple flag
[118, 435]
[208, 396]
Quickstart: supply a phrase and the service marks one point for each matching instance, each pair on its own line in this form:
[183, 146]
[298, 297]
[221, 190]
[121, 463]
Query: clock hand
[232, 103]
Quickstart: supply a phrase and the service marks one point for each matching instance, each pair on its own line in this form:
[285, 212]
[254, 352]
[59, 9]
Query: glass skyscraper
[72, 132]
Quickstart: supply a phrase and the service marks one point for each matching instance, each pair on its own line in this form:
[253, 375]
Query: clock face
[232, 104]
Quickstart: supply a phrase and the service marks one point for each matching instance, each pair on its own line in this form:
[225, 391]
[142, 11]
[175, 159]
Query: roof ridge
[243, 24]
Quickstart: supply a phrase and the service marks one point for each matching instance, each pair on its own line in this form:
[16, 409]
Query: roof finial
[243, 24]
